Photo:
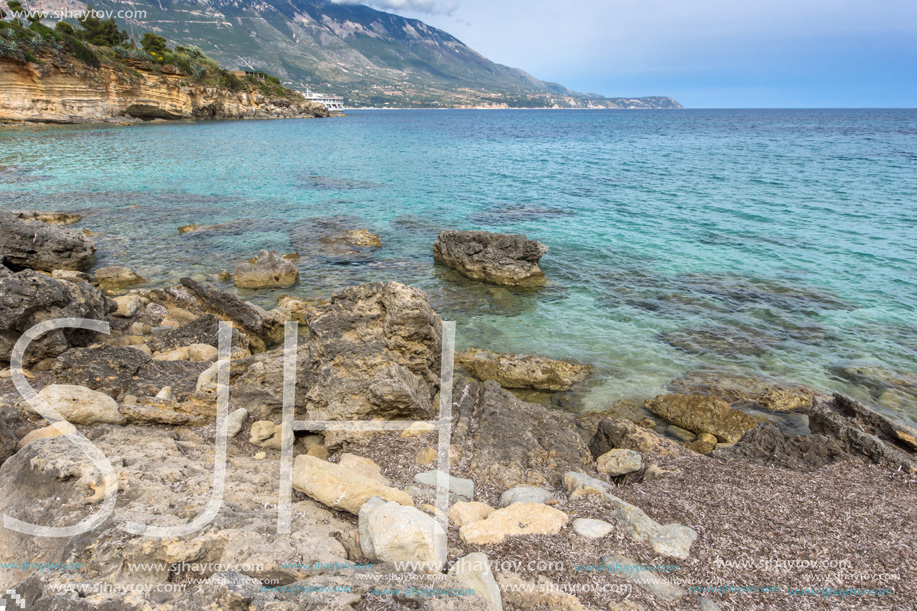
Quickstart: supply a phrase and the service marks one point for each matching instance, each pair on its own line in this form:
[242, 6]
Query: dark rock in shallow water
[107, 369]
[28, 298]
[865, 433]
[498, 258]
[37, 245]
[488, 438]
[720, 340]
[770, 447]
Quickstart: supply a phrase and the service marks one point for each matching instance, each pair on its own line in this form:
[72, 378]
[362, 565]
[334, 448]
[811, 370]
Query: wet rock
[486, 434]
[521, 371]
[474, 571]
[517, 519]
[650, 581]
[702, 414]
[721, 340]
[619, 461]
[362, 237]
[339, 487]
[28, 298]
[525, 494]
[739, 388]
[114, 277]
[669, 539]
[864, 432]
[390, 532]
[332, 239]
[770, 447]
[51, 218]
[267, 270]
[591, 529]
[81, 405]
[492, 257]
[613, 434]
[40, 246]
[466, 512]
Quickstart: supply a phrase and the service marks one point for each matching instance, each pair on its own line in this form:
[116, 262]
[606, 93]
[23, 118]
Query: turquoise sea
[781, 242]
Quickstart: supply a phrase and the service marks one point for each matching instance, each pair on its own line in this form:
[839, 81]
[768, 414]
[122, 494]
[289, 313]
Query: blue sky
[704, 53]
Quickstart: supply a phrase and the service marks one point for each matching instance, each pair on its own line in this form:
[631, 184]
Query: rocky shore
[547, 509]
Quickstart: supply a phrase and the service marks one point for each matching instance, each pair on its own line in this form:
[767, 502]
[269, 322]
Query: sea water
[776, 242]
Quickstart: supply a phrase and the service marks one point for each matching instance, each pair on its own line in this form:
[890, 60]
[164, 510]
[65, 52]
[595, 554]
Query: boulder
[865, 433]
[267, 270]
[40, 246]
[525, 494]
[669, 539]
[520, 371]
[515, 520]
[391, 532]
[51, 218]
[339, 487]
[70, 275]
[363, 465]
[114, 277]
[492, 257]
[81, 405]
[591, 529]
[28, 298]
[462, 513]
[619, 462]
[486, 434]
[617, 433]
[474, 571]
[702, 414]
[768, 446]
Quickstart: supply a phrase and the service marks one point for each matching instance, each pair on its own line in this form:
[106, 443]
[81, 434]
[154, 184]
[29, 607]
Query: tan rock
[362, 237]
[522, 371]
[702, 414]
[340, 487]
[619, 461]
[365, 466]
[81, 405]
[517, 519]
[116, 277]
[417, 429]
[425, 456]
[42, 433]
[463, 513]
[266, 434]
[128, 305]
[315, 446]
[536, 595]
[268, 270]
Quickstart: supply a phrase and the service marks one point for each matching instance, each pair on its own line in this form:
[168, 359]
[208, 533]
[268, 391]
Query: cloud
[425, 7]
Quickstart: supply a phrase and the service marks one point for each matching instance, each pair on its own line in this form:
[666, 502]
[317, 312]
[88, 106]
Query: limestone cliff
[71, 92]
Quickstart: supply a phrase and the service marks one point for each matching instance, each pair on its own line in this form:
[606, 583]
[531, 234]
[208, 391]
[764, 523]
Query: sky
[703, 53]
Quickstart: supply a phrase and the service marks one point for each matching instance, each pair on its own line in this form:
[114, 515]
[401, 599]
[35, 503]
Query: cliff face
[61, 92]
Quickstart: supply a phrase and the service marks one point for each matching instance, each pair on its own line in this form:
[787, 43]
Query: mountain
[370, 57]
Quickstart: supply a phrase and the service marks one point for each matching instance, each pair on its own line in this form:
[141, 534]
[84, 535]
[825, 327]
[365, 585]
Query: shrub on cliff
[103, 33]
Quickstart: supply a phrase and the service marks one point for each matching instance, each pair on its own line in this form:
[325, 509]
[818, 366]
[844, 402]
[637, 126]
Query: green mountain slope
[370, 57]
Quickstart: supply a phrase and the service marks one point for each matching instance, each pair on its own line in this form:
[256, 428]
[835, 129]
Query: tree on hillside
[98, 32]
[17, 10]
[153, 43]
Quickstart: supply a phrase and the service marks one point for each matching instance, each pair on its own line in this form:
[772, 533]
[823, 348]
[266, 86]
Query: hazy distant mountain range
[370, 57]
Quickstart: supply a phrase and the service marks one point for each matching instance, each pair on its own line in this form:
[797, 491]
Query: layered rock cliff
[72, 92]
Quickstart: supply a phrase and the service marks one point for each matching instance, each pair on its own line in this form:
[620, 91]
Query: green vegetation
[94, 42]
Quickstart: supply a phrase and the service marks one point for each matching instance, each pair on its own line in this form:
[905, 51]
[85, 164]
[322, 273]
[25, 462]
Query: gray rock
[670, 539]
[28, 298]
[474, 571]
[457, 485]
[705, 604]
[650, 581]
[525, 494]
[108, 369]
[390, 532]
[203, 330]
[591, 529]
[235, 421]
[770, 447]
[498, 258]
[40, 246]
[267, 270]
[181, 376]
[487, 434]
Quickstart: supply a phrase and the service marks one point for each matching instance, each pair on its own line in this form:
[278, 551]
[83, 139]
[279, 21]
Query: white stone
[391, 532]
[591, 529]
[474, 571]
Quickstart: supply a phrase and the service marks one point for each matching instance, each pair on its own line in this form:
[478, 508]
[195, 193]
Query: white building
[331, 102]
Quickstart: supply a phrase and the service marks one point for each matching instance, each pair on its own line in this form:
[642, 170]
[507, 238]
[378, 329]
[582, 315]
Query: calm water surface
[775, 242]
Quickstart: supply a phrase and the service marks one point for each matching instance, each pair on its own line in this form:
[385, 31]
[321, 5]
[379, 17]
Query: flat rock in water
[702, 414]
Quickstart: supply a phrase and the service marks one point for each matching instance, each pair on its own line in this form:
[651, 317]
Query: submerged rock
[40, 246]
[702, 414]
[721, 340]
[739, 388]
[28, 298]
[498, 258]
[116, 277]
[521, 371]
[51, 218]
[267, 270]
